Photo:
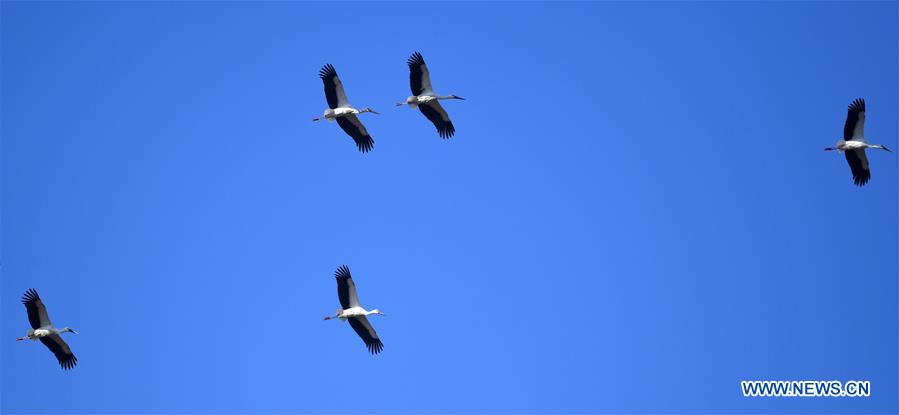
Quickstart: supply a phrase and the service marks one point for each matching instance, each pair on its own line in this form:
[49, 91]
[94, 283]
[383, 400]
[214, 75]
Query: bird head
[68, 329]
[366, 109]
[457, 97]
[376, 311]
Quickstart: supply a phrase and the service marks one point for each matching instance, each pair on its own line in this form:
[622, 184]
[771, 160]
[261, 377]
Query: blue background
[634, 215]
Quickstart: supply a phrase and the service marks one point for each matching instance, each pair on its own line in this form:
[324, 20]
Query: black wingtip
[857, 105]
[416, 59]
[327, 71]
[375, 347]
[447, 131]
[365, 146]
[30, 296]
[861, 179]
[68, 362]
[342, 272]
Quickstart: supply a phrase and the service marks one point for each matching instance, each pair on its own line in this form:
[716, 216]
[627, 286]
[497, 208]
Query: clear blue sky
[634, 215]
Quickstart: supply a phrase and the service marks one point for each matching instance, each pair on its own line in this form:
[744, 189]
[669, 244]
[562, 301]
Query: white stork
[351, 311]
[424, 97]
[854, 145]
[42, 329]
[340, 109]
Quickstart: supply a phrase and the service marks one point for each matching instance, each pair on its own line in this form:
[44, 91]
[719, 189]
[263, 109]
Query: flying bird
[425, 99]
[340, 110]
[854, 144]
[351, 311]
[42, 329]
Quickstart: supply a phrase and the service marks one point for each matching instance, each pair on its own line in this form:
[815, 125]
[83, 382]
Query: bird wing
[858, 163]
[333, 87]
[435, 112]
[354, 128]
[58, 346]
[855, 121]
[37, 313]
[419, 78]
[346, 288]
[364, 329]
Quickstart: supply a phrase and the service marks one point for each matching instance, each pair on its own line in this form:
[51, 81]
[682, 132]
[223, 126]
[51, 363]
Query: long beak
[885, 148]
[21, 338]
[375, 112]
[463, 99]
[328, 317]
[400, 104]
[828, 149]
[316, 119]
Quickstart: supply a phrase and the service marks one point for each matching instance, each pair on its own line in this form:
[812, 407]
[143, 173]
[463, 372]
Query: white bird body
[355, 312]
[342, 112]
[855, 144]
[415, 100]
[36, 334]
[332, 114]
